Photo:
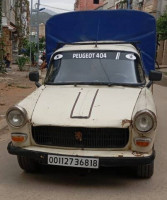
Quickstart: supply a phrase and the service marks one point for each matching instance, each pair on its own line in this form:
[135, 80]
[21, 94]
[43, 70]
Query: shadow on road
[83, 177]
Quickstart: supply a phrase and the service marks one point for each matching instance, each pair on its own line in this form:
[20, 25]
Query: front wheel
[146, 170]
[27, 164]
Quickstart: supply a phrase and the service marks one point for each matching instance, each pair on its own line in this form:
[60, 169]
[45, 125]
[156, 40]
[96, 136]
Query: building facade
[154, 7]
[8, 25]
[86, 5]
[15, 22]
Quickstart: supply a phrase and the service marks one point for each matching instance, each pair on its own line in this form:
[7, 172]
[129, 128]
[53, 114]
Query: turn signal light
[142, 142]
[19, 137]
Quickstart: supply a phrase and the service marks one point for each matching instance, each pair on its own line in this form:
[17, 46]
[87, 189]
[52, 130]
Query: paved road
[69, 184]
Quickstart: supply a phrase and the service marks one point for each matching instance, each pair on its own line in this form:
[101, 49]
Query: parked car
[96, 107]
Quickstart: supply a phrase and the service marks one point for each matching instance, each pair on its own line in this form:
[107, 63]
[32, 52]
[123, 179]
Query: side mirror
[34, 76]
[155, 75]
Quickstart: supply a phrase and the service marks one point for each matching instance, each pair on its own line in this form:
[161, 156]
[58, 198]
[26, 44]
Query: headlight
[145, 121]
[16, 116]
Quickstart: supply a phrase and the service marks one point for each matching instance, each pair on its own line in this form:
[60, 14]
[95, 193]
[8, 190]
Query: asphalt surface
[53, 183]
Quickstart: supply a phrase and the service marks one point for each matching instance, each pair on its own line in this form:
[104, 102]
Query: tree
[42, 44]
[162, 26]
[26, 46]
[21, 7]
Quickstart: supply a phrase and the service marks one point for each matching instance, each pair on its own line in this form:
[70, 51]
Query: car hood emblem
[78, 136]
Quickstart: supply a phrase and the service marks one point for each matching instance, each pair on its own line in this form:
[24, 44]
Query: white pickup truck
[95, 109]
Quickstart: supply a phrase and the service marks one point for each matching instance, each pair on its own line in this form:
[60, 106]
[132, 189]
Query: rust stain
[126, 121]
[137, 154]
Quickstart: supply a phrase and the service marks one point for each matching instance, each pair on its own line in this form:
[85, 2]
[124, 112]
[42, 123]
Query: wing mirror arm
[37, 84]
[149, 84]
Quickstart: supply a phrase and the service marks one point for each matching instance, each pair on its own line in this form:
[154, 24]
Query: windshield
[95, 67]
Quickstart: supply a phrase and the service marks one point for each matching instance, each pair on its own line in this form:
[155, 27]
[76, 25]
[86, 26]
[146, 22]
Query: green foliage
[42, 44]
[21, 61]
[162, 26]
[26, 47]
[33, 45]
[20, 7]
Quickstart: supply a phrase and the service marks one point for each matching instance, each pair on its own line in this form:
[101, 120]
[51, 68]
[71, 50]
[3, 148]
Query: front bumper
[42, 157]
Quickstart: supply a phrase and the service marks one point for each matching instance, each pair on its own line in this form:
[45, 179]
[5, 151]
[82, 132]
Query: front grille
[80, 137]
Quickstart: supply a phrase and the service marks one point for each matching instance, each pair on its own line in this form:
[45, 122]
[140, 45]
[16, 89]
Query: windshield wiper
[98, 83]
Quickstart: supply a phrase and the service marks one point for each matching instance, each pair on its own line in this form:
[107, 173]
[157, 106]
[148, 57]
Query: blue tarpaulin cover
[115, 25]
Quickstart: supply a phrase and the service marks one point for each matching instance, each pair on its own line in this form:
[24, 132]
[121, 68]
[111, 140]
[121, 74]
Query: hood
[85, 106]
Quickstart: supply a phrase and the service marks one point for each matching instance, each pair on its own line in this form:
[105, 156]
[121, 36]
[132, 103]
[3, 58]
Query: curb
[3, 124]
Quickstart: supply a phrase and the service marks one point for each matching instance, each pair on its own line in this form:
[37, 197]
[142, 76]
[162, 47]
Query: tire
[27, 164]
[145, 171]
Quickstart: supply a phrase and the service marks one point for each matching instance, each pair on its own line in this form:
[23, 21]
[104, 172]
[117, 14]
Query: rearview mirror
[34, 76]
[155, 75]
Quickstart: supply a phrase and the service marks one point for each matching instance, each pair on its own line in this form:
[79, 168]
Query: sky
[64, 4]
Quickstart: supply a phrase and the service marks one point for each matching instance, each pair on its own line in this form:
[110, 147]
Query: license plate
[73, 161]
